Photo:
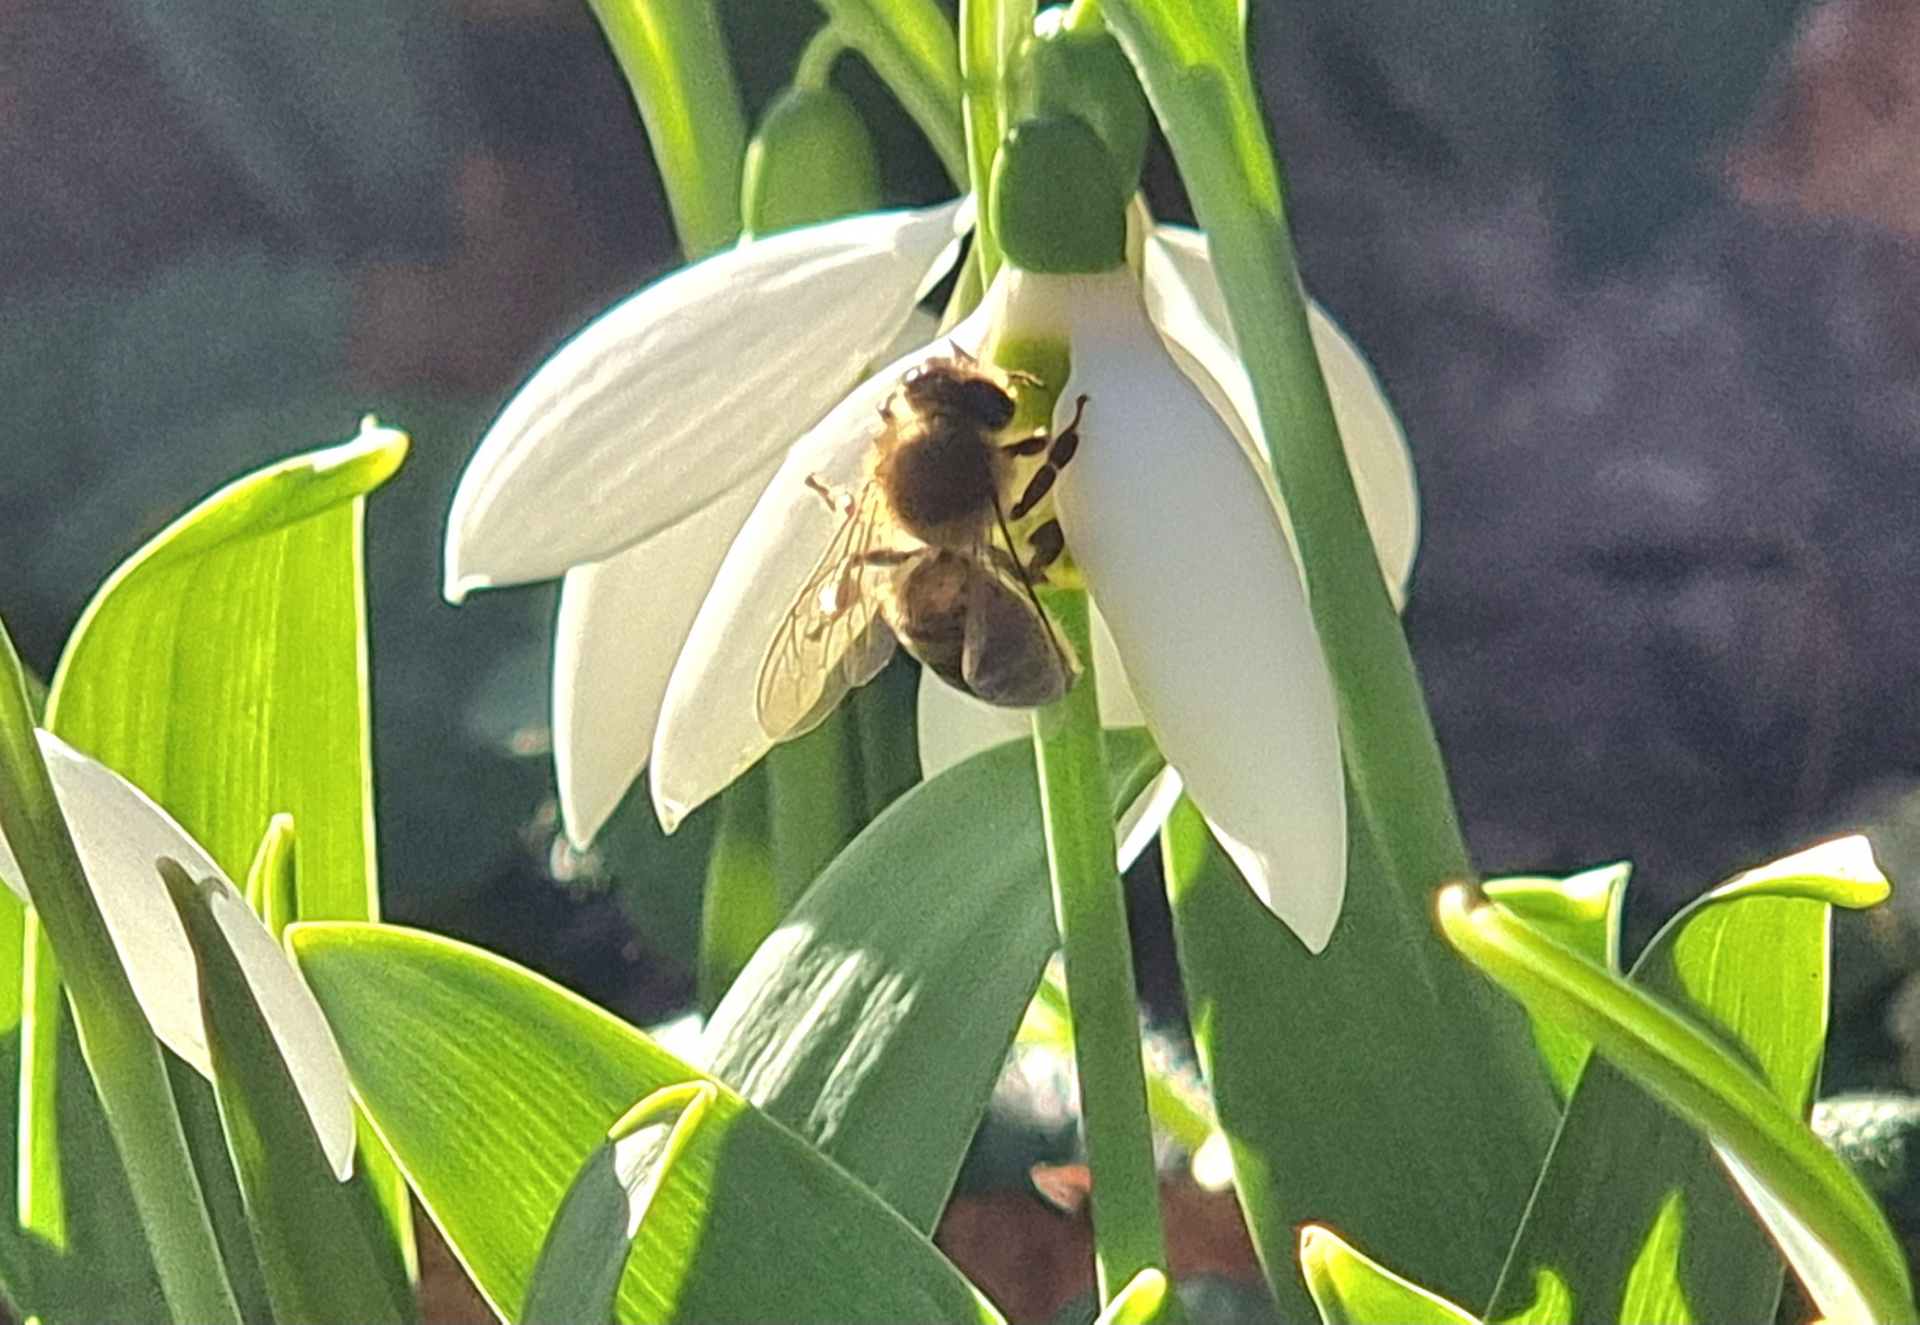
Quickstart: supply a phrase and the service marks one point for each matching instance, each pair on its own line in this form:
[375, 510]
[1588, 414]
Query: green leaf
[271, 886]
[223, 670]
[492, 1086]
[320, 1265]
[675, 61]
[123, 1057]
[1583, 912]
[1552, 1303]
[1387, 1071]
[868, 1022]
[1686, 1068]
[911, 46]
[577, 1277]
[1138, 1302]
[1750, 959]
[1349, 1288]
[1653, 1291]
[1347, 1081]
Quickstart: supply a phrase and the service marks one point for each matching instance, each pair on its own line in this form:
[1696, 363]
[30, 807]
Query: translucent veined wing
[833, 637]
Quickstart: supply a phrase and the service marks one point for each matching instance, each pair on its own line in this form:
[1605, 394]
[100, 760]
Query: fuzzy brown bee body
[915, 561]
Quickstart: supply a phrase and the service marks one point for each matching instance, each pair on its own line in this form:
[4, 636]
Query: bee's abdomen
[941, 481]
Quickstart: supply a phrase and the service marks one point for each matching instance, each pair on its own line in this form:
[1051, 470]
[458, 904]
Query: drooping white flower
[670, 596]
[119, 835]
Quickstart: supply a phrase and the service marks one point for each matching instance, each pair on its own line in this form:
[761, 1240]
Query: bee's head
[951, 388]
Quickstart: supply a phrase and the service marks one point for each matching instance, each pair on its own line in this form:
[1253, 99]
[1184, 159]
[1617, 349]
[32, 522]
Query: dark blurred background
[1640, 274]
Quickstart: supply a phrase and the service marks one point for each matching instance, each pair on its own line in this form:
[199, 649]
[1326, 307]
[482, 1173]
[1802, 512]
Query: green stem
[120, 1049]
[1194, 68]
[814, 69]
[1091, 911]
[983, 47]
[675, 62]
[811, 805]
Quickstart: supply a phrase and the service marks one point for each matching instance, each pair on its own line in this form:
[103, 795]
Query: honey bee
[914, 559]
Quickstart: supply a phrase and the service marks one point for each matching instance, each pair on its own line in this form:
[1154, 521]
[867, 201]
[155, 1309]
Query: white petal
[119, 834]
[709, 732]
[955, 726]
[1184, 300]
[672, 398]
[622, 624]
[1169, 521]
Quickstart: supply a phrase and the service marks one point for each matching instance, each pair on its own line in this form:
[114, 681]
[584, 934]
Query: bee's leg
[838, 500]
[1033, 445]
[1047, 542]
[1065, 444]
[884, 556]
[1023, 378]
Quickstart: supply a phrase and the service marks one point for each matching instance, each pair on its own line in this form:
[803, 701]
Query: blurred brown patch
[528, 261]
[447, 1296]
[1032, 1252]
[1841, 138]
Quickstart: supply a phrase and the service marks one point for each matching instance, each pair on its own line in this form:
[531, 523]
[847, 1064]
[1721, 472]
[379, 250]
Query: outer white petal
[1184, 300]
[119, 834]
[622, 624]
[709, 733]
[675, 396]
[1169, 521]
[955, 726]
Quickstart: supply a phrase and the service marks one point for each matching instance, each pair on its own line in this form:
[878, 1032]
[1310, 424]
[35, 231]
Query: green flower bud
[1057, 202]
[810, 160]
[1086, 74]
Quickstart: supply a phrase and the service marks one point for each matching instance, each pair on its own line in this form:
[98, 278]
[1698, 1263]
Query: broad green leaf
[1350, 1288]
[875, 1020]
[1653, 1293]
[911, 46]
[1749, 959]
[223, 670]
[1348, 1081]
[1701, 1081]
[492, 1086]
[675, 61]
[1583, 912]
[319, 1262]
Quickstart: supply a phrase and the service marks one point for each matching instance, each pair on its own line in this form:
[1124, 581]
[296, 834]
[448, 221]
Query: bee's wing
[1012, 655]
[833, 637]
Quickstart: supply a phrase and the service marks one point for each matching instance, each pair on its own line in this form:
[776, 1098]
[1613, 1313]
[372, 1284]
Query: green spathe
[1084, 73]
[810, 160]
[1057, 203]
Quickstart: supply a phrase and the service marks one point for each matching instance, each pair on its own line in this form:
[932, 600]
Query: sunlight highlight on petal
[676, 396]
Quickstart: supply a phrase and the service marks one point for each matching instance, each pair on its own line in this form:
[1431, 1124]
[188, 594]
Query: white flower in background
[119, 835]
[658, 461]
